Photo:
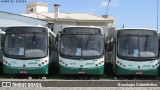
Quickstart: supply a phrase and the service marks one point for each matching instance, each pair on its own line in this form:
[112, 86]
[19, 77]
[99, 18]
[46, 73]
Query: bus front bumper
[25, 70]
[93, 71]
[123, 71]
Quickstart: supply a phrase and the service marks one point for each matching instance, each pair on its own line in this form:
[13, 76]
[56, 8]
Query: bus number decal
[129, 65]
[89, 64]
[146, 66]
[32, 63]
[94, 60]
[13, 62]
[72, 64]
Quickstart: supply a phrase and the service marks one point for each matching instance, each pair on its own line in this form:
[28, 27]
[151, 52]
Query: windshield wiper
[146, 42]
[32, 43]
[126, 40]
[13, 40]
[33, 38]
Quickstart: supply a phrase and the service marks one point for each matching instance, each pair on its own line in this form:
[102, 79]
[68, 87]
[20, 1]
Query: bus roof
[135, 28]
[120, 29]
[80, 26]
[34, 26]
[101, 30]
[27, 26]
[140, 32]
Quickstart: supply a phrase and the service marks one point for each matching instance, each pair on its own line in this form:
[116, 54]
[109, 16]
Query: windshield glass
[137, 46]
[31, 45]
[82, 45]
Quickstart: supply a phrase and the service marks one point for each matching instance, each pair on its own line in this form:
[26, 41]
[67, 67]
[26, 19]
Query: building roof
[37, 4]
[69, 16]
[19, 15]
[10, 19]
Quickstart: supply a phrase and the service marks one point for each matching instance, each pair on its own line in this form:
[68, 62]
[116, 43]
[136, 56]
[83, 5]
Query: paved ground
[72, 82]
[84, 88]
[84, 84]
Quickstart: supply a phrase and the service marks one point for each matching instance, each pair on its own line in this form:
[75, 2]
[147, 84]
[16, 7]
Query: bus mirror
[57, 37]
[2, 43]
[114, 40]
[50, 40]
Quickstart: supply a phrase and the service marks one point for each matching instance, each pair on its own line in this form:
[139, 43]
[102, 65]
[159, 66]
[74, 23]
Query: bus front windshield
[82, 45]
[30, 45]
[138, 46]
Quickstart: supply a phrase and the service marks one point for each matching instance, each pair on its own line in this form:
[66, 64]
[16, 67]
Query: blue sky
[131, 13]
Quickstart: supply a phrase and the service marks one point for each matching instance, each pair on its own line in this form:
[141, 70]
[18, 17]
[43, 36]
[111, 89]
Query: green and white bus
[27, 50]
[133, 52]
[81, 50]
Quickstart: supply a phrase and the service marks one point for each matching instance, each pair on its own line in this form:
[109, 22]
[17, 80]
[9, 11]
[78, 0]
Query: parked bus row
[80, 50]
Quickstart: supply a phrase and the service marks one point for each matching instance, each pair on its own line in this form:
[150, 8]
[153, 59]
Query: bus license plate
[139, 73]
[23, 72]
[81, 72]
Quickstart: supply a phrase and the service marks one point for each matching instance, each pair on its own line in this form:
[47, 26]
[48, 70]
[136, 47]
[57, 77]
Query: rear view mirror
[57, 37]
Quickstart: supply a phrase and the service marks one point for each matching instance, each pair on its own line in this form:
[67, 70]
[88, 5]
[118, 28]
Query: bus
[28, 50]
[132, 51]
[81, 50]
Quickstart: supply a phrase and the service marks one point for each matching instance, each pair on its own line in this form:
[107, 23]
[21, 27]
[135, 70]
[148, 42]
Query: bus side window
[107, 45]
[158, 45]
[51, 39]
[52, 42]
[110, 44]
[2, 42]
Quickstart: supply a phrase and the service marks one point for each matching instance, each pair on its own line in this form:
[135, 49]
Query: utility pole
[157, 16]
[107, 8]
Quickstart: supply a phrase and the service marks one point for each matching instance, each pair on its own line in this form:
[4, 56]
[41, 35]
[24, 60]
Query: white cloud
[92, 11]
[104, 3]
[113, 3]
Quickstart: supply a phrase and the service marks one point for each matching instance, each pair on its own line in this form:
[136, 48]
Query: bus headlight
[96, 64]
[81, 66]
[120, 63]
[101, 62]
[39, 64]
[6, 62]
[46, 61]
[156, 64]
[63, 62]
[117, 61]
[24, 65]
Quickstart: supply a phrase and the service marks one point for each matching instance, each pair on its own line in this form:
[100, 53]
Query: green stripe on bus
[122, 71]
[70, 70]
[16, 70]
